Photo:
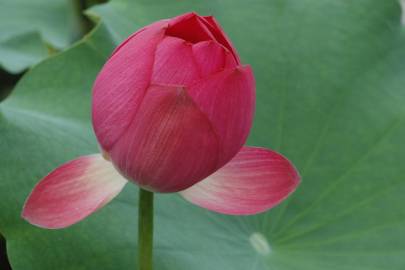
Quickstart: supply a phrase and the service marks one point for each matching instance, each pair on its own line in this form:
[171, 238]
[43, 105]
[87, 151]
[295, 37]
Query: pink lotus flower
[172, 109]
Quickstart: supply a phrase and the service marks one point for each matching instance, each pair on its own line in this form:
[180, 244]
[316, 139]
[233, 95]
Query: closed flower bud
[173, 103]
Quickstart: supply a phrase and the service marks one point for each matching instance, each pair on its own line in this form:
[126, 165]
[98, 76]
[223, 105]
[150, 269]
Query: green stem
[145, 230]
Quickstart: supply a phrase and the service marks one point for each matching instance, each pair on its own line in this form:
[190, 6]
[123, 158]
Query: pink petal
[228, 99]
[170, 145]
[220, 35]
[72, 192]
[174, 63]
[189, 27]
[255, 180]
[121, 84]
[153, 26]
[211, 57]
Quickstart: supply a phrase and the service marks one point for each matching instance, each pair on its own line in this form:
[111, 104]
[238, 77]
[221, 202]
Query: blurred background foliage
[330, 85]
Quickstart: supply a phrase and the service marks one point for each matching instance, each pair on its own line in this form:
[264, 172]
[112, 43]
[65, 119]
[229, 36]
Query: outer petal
[174, 63]
[255, 180]
[122, 83]
[211, 57]
[152, 27]
[228, 99]
[72, 192]
[170, 145]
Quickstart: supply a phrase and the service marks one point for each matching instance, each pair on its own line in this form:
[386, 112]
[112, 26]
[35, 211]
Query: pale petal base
[255, 180]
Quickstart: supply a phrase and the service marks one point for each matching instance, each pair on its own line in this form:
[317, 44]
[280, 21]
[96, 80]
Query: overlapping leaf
[28, 29]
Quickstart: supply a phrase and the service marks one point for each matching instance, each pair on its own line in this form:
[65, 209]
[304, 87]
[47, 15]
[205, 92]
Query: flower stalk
[145, 230]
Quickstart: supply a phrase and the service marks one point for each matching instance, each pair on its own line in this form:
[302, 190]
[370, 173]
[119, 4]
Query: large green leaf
[330, 84]
[29, 27]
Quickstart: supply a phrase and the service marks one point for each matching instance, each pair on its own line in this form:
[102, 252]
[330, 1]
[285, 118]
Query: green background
[330, 96]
